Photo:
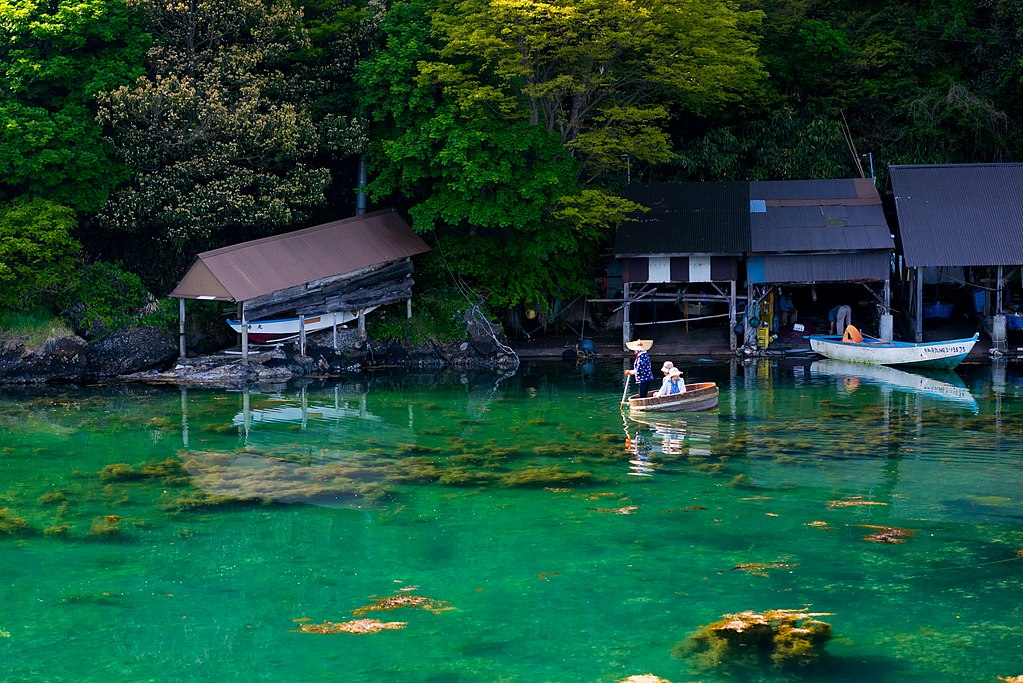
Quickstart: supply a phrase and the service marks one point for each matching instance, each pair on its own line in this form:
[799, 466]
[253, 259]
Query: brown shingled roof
[241, 272]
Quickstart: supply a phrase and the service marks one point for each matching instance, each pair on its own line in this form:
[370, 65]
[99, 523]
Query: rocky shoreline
[150, 355]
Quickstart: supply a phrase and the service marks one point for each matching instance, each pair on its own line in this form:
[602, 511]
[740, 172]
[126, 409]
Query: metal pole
[360, 200]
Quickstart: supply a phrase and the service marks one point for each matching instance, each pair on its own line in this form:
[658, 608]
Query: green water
[557, 542]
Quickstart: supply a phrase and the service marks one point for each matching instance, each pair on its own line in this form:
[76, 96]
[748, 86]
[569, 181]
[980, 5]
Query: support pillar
[918, 313]
[408, 307]
[301, 334]
[626, 322]
[731, 317]
[182, 350]
[998, 292]
[245, 335]
[886, 326]
[362, 326]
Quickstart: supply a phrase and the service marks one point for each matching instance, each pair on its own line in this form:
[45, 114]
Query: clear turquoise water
[446, 489]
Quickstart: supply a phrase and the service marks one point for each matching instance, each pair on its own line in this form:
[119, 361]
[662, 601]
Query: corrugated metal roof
[686, 218]
[844, 267]
[960, 214]
[818, 216]
[241, 272]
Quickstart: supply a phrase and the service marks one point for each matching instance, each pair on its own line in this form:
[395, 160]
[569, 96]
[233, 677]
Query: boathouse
[349, 265]
[960, 235]
[812, 232]
[683, 251]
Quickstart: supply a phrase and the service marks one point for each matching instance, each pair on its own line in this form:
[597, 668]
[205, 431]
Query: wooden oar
[628, 378]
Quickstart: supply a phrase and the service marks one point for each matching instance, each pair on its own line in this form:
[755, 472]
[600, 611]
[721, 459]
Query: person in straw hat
[673, 383]
[641, 369]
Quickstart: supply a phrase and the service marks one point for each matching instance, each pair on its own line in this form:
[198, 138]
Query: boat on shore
[273, 331]
[698, 396]
[940, 354]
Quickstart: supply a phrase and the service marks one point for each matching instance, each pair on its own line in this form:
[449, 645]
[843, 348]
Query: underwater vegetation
[106, 527]
[760, 568]
[356, 626]
[10, 525]
[403, 598]
[779, 637]
[887, 534]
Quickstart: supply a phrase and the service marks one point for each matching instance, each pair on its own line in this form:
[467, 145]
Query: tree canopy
[55, 57]
[505, 124]
[505, 130]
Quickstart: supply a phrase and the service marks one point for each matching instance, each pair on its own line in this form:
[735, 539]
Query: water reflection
[946, 386]
[678, 435]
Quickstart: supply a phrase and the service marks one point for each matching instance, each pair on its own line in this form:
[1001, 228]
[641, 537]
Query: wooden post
[626, 322]
[919, 312]
[408, 307]
[182, 351]
[731, 317]
[301, 334]
[245, 336]
[998, 292]
[362, 326]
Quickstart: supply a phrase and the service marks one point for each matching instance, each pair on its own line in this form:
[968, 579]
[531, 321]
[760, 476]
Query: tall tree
[218, 151]
[54, 59]
[502, 122]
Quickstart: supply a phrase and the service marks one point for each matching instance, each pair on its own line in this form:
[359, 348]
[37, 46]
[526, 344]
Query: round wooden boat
[698, 396]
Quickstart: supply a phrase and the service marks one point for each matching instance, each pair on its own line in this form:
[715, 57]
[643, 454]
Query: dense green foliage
[37, 251]
[218, 148]
[102, 297]
[503, 123]
[54, 59]
[505, 130]
[437, 314]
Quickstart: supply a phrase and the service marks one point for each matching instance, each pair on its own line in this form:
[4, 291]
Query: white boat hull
[944, 354]
[272, 331]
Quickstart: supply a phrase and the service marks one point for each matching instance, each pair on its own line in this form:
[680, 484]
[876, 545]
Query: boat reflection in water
[944, 385]
[652, 441]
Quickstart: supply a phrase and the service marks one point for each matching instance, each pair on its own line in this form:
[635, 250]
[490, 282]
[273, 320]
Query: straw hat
[674, 372]
[640, 344]
[668, 365]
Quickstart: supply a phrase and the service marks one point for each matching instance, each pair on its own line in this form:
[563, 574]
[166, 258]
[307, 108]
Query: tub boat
[698, 396]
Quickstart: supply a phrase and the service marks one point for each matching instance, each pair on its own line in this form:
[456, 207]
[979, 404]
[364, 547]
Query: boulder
[130, 350]
[61, 359]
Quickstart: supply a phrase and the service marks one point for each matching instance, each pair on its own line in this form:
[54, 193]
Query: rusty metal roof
[841, 215]
[241, 272]
[686, 218]
[960, 214]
